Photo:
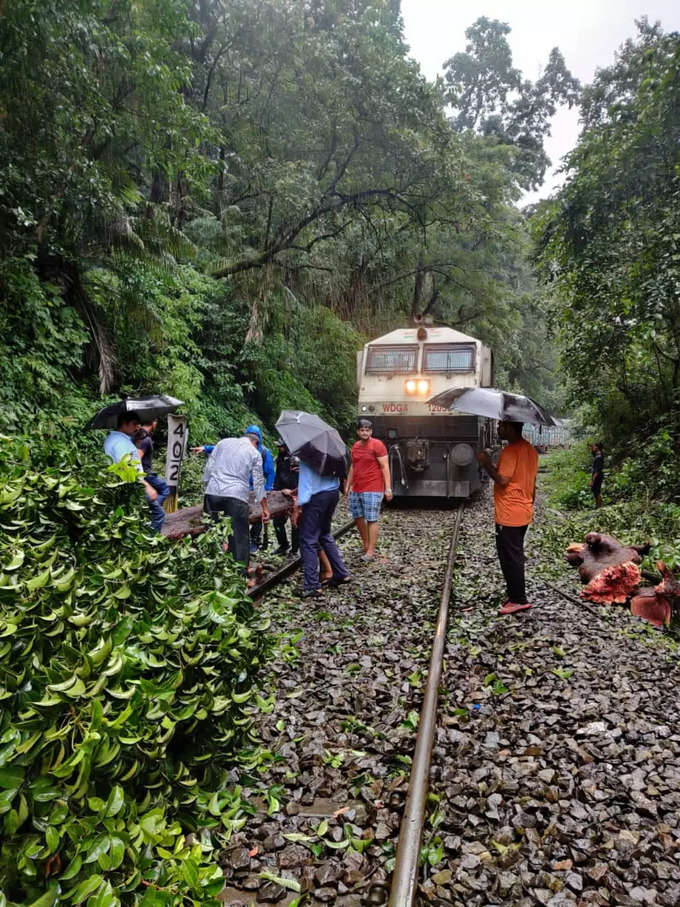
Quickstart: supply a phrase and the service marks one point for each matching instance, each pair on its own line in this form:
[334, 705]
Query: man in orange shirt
[513, 495]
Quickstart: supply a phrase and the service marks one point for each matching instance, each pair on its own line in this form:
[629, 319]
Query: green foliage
[567, 477]
[310, 166]
[155, 315]
[651, 472]
[41, 341]
[631, 522]
[610, 246]
[91, 98]
[491, 97]
[126, 667]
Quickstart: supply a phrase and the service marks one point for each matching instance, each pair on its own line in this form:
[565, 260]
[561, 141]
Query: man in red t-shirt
[367, 482]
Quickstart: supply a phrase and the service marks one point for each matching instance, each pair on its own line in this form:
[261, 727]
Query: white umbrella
[494, 404]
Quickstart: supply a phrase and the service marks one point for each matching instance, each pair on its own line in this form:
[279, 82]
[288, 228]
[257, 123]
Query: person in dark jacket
[144, 445]
[285, 480]
[597, 472]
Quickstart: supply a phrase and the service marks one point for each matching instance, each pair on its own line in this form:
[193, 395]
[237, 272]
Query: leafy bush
[652, 471]
[126, 666]
[41, 339]
[567, 479]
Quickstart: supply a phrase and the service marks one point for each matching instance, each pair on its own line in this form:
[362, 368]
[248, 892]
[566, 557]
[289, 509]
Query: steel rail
[405, 877]
[279, 575]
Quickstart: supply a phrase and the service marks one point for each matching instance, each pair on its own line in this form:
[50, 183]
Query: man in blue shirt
[255, 433]
[317, 499]
[119, 443]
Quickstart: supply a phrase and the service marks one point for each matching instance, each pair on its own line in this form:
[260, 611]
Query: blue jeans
[156, 507]
[315, 533]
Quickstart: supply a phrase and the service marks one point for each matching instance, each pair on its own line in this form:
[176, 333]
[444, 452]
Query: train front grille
[458, 428]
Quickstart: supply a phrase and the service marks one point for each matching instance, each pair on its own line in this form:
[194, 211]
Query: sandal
[512, 607]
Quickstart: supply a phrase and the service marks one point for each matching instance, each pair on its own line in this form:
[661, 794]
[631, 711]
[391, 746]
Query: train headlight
[411, 386]
[423, 387]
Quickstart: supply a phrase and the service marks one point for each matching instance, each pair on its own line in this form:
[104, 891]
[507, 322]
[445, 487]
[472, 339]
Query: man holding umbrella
[317, 498]
[322, 454]
[118, 444]
[514, 492]
[124, 419]
[514, 477]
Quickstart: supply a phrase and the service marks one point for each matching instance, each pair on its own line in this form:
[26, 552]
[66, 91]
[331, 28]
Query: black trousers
[282, 537]
[510, 548]
[237, 511]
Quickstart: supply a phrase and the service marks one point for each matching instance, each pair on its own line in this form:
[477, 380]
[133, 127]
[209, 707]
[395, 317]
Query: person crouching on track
[514, 492]
[317, 499]
[367, 482]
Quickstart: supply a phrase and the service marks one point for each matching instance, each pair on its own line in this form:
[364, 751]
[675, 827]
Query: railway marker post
[177, 444]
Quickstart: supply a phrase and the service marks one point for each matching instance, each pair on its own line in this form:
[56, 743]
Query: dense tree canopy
[611, 241]
[214, 198]
[491, 97]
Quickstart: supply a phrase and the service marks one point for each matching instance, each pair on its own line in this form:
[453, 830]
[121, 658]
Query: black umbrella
[494, 404]
[149, 408]
[315, 442]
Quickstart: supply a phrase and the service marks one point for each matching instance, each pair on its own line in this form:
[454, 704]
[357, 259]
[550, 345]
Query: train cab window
[391, 359]
[450, 358]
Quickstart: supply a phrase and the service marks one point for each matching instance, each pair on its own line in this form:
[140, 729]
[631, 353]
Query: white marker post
[177, 442]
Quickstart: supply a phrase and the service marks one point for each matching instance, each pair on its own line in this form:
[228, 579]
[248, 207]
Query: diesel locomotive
[432, 451]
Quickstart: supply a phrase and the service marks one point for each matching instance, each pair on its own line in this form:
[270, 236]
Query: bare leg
[362, 526]
[326, 571]
[598, 500]
[372, 532]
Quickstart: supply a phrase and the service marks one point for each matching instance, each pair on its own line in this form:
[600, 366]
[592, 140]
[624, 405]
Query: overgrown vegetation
[627, 513]
[610, 246]
[221, 200]
[126, 667]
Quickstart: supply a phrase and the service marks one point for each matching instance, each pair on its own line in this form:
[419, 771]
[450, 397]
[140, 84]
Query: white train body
[432, 451]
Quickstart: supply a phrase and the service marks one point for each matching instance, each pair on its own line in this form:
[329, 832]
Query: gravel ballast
[555, 776]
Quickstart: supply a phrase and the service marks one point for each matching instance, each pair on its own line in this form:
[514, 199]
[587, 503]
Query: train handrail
[395, 454]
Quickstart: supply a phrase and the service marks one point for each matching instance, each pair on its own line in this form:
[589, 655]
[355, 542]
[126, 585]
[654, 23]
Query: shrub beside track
[126, 666]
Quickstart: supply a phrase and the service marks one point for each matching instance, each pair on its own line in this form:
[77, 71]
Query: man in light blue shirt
[119, 443]
[317, 499]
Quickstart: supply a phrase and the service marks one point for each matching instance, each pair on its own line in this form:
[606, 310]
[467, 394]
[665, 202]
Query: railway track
[405, 877]
[551, 760]
[276, 577]
[376, 864]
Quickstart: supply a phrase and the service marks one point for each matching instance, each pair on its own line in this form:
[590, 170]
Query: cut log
[599, 551]
[648, 605]
[192, 520]
[613, 584]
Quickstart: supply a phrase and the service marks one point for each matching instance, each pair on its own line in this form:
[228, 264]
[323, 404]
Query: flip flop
[512, 607]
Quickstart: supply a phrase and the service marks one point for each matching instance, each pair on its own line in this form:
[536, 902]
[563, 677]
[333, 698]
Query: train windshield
[450, 358]
[382, 359]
